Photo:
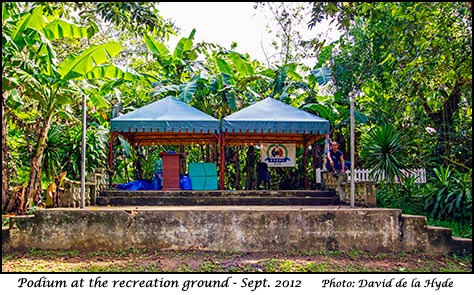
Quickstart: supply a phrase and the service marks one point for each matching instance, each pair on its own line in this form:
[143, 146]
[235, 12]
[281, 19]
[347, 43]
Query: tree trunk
[215, 153]
[250, 169]
[208, 153]
[237, 168]
[137, 163]
[33, 189]
[305, 164]
[444, 118]
[229, 159]
[316, 162]
[5, 151]
[17, 200]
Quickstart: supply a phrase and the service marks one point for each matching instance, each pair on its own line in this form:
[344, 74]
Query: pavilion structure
[170, 121]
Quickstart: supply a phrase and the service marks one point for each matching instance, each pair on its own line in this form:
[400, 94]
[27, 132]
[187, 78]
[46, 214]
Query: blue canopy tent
[170, 121]
[166, 121]
[270, 121]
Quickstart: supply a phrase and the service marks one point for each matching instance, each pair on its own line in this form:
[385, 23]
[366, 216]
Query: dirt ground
[202, 261]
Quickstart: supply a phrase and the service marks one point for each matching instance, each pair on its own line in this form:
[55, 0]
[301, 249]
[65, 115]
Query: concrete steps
[461, 245]
[441, 239]
[217, 198]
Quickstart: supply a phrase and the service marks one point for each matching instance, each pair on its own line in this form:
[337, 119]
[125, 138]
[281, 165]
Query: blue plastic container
[156, 183]
[185, 182]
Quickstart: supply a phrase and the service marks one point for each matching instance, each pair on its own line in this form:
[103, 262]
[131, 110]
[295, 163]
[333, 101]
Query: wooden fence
[364, 175]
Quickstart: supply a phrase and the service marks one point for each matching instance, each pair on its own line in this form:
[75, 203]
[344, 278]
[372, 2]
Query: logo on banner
[278, 155]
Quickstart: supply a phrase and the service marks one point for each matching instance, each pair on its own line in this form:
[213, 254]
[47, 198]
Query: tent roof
[166, 121]
[271, 120]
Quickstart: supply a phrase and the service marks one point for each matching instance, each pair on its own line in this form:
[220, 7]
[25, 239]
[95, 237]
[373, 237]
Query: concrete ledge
[229, 228]
[253, 228]
[460, 245]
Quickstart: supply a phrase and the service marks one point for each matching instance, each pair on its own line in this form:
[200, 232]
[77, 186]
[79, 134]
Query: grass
[134, 261]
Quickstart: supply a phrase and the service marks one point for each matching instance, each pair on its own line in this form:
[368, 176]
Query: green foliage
[79, 66]
[323, 75]
[51, 86]
[138, 13]
[413, 64]
[18, 163]
[63, 150]
[406, 196]
[450, 195]
[289, 43]
[412, 57]
[446, 199]
[96, 149]
[6, 222]
[53, 156]
[384, 150]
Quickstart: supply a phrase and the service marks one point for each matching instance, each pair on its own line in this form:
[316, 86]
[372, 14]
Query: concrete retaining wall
[221, 228]
[364, 191]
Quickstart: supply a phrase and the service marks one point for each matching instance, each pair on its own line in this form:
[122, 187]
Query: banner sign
[278, 155]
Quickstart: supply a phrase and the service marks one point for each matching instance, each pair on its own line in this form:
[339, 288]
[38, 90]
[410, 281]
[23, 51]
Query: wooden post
[222, 161]
[305, 176]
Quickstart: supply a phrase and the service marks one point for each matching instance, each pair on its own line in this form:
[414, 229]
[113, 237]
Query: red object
[172, 169]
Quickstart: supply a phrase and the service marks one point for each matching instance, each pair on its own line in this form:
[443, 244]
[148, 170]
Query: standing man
[335, 160]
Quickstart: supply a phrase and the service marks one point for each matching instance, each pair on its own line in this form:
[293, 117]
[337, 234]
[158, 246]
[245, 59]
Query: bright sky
[222, 23]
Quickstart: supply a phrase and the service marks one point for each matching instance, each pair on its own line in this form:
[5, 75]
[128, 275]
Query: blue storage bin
[211, 183]
[196, 169]
[198, 182]
[210, 169]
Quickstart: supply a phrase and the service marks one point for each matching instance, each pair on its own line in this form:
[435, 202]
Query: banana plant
[48, 84]
[177, 66]
[187, 78]
[323, 74]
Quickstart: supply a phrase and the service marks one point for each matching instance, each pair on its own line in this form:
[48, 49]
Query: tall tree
[415, 57]
[287, 23]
